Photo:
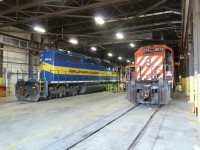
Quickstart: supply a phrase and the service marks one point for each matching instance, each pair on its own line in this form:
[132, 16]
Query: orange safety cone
[193, 108]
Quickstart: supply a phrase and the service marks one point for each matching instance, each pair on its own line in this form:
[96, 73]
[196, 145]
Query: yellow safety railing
[1, 81]
[8, 91]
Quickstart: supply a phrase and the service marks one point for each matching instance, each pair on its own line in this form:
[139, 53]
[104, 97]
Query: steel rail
[99, 129]
[142, 131]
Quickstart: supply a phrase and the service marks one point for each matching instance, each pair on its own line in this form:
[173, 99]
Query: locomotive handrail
[170, 66]
[65, 77]
[44, 74]
[45, 81]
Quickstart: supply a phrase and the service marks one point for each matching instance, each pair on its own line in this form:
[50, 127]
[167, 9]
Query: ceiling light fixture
[61, 49]
[39, 29]
[73, 41]
[99, 20]
[119, 35]
[132, 45]
[110, 54]
[93, 48]
[120, 58]
[128, 61]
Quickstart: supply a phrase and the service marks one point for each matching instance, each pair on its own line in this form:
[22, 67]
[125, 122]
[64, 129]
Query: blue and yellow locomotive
[64, 73]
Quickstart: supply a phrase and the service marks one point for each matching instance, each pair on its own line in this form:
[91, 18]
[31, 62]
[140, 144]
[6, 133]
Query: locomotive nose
[27, 90]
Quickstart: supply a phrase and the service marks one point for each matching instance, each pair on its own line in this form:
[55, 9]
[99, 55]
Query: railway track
[97, 130]
[142, 131]
[112, 125]
[135, 140]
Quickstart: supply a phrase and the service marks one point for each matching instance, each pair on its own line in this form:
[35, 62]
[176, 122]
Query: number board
[150, 50]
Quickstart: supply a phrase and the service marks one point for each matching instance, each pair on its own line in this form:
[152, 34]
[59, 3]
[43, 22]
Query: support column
[191, 62]
[182, 73]
[31, 56]
[186, 74]
[195, 56]
[196, 32]
[197, 9]
[187, 78]
[1, 65]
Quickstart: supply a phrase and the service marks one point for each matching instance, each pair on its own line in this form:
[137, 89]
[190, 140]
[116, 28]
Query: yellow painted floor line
[59, 127]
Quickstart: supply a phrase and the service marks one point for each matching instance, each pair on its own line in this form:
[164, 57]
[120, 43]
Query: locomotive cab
[129, 72]
[169, 65]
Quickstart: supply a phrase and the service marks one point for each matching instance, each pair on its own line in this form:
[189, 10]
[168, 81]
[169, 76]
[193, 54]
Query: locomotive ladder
[43, 86]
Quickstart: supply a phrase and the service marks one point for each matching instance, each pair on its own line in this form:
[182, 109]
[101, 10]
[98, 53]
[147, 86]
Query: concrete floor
[9, 99]
[59, 123]
[38, 125]
[121, 133]
[173, 128]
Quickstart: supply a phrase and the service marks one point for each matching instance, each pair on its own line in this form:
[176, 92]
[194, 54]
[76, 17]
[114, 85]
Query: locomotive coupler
[146, 92]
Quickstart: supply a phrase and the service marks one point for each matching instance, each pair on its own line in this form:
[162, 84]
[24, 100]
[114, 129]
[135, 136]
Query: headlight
[121, 86]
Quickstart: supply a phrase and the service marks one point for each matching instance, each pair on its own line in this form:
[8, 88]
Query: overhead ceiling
[142, 22]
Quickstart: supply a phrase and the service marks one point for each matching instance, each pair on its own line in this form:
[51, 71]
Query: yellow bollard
[183, 83]
[198, 97]
[191, 89]
[192, 94]
[106, 87]
[195, 91]
[187, 85]
[118, 86]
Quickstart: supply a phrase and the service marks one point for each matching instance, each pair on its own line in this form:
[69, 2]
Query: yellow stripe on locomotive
[74, 71]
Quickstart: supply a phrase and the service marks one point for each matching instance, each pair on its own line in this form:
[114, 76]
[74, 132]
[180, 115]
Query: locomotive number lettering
[148, 50]
[85, 72]
[159, 49]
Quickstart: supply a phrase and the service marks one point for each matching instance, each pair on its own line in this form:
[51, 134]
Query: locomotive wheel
[61, 94]
[75, 92]
[18, 98]
[82, 89]
[35, 100]
[62, 91]
[49, 97]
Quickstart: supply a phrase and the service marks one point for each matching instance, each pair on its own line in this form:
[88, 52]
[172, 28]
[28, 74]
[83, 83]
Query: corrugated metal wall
[15, 57]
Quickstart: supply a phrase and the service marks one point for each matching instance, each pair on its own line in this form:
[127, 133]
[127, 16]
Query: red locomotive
[154, 75]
